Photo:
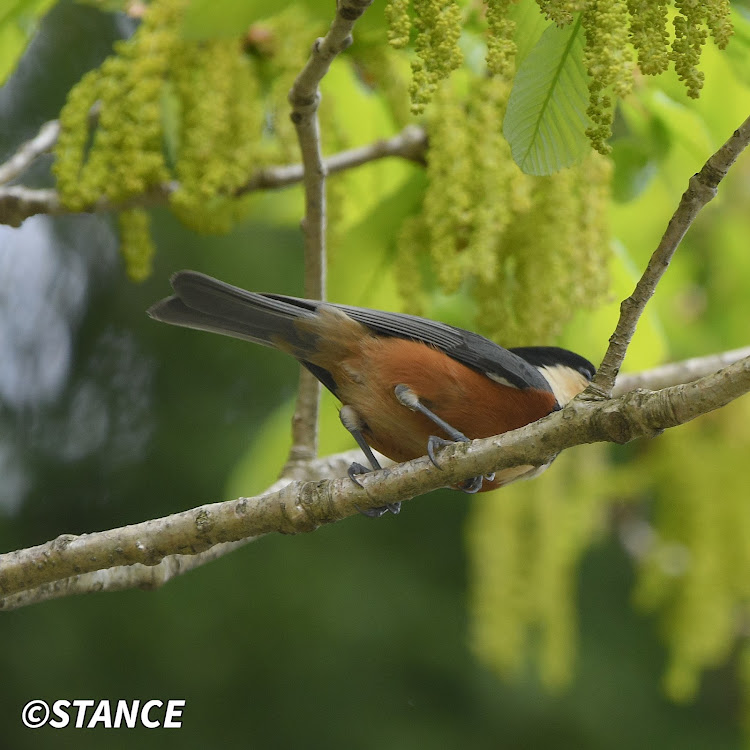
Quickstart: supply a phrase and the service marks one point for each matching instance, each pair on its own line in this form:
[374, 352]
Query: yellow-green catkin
[691, 28]
[437, 24]
[136, 245]
[222, 118]
[125, 157]
[649, 34]
[501, 48]
[608, 58]
[446, 215]
[614, 30]
[198, 113]
[520, 243]
[525, 543]
[560, 11]
[399, 23]
[473, 189]
[694, 572]
[541, 282]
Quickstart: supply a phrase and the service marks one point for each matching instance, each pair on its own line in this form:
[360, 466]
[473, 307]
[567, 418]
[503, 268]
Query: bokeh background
[602, 606]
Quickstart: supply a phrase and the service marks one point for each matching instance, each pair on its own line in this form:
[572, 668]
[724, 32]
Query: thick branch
[303, 506]
[139, 576]
[702, 188]
[329, 467]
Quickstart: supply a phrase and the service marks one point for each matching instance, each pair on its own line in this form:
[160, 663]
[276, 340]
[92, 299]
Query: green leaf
[546, 120]
[18, 20]
[530, 25]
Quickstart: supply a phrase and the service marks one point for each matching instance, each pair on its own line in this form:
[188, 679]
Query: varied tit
[406, 384]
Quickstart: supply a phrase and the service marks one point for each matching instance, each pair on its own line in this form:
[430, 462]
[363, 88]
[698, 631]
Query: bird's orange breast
[466, 399]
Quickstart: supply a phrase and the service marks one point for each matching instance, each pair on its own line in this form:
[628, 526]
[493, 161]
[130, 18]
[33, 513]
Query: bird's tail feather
[208, 304]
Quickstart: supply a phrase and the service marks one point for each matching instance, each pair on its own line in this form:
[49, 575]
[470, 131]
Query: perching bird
[406, 384]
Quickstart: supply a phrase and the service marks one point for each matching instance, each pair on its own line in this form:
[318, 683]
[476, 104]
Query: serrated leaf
[546, 120]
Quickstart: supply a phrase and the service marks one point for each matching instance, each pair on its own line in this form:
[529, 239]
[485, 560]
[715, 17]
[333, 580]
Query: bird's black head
[566, 372]
[551, 356]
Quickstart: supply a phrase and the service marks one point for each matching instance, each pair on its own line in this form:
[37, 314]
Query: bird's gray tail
[208, 304]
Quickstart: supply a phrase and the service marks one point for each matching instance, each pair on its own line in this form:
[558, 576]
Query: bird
[407, 385]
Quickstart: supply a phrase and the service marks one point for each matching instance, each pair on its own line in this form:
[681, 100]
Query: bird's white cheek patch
[565, 382]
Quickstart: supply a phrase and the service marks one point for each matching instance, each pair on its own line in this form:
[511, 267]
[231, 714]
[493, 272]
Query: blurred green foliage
[551, 614]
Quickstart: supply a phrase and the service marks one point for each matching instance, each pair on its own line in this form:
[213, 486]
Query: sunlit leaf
[546, 119]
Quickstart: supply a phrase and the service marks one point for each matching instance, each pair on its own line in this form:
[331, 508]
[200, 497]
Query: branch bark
[304, 506]
[675, 373]
[149, 577]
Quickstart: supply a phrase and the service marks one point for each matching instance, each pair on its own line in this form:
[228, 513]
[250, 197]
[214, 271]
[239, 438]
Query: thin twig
[30, 151]
[304, 506]
[702, 188]
[305, 99]
[409, 144]
[27, 153]
[18, 203]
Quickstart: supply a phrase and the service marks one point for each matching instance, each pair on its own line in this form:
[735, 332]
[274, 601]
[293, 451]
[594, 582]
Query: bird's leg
[352, 421]
[410, 400]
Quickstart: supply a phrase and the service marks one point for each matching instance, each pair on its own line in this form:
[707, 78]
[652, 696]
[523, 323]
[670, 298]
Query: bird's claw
[356, 469]
[394, 508]
[437, 442]
[470, 486]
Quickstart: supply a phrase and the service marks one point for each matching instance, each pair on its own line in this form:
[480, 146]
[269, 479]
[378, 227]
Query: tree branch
[18, 202]
[305, 99]
[139, 576]
[304, 506]
[30, 151]
[702, 188]
[27, 153]
[675, 373]
[329, 467]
